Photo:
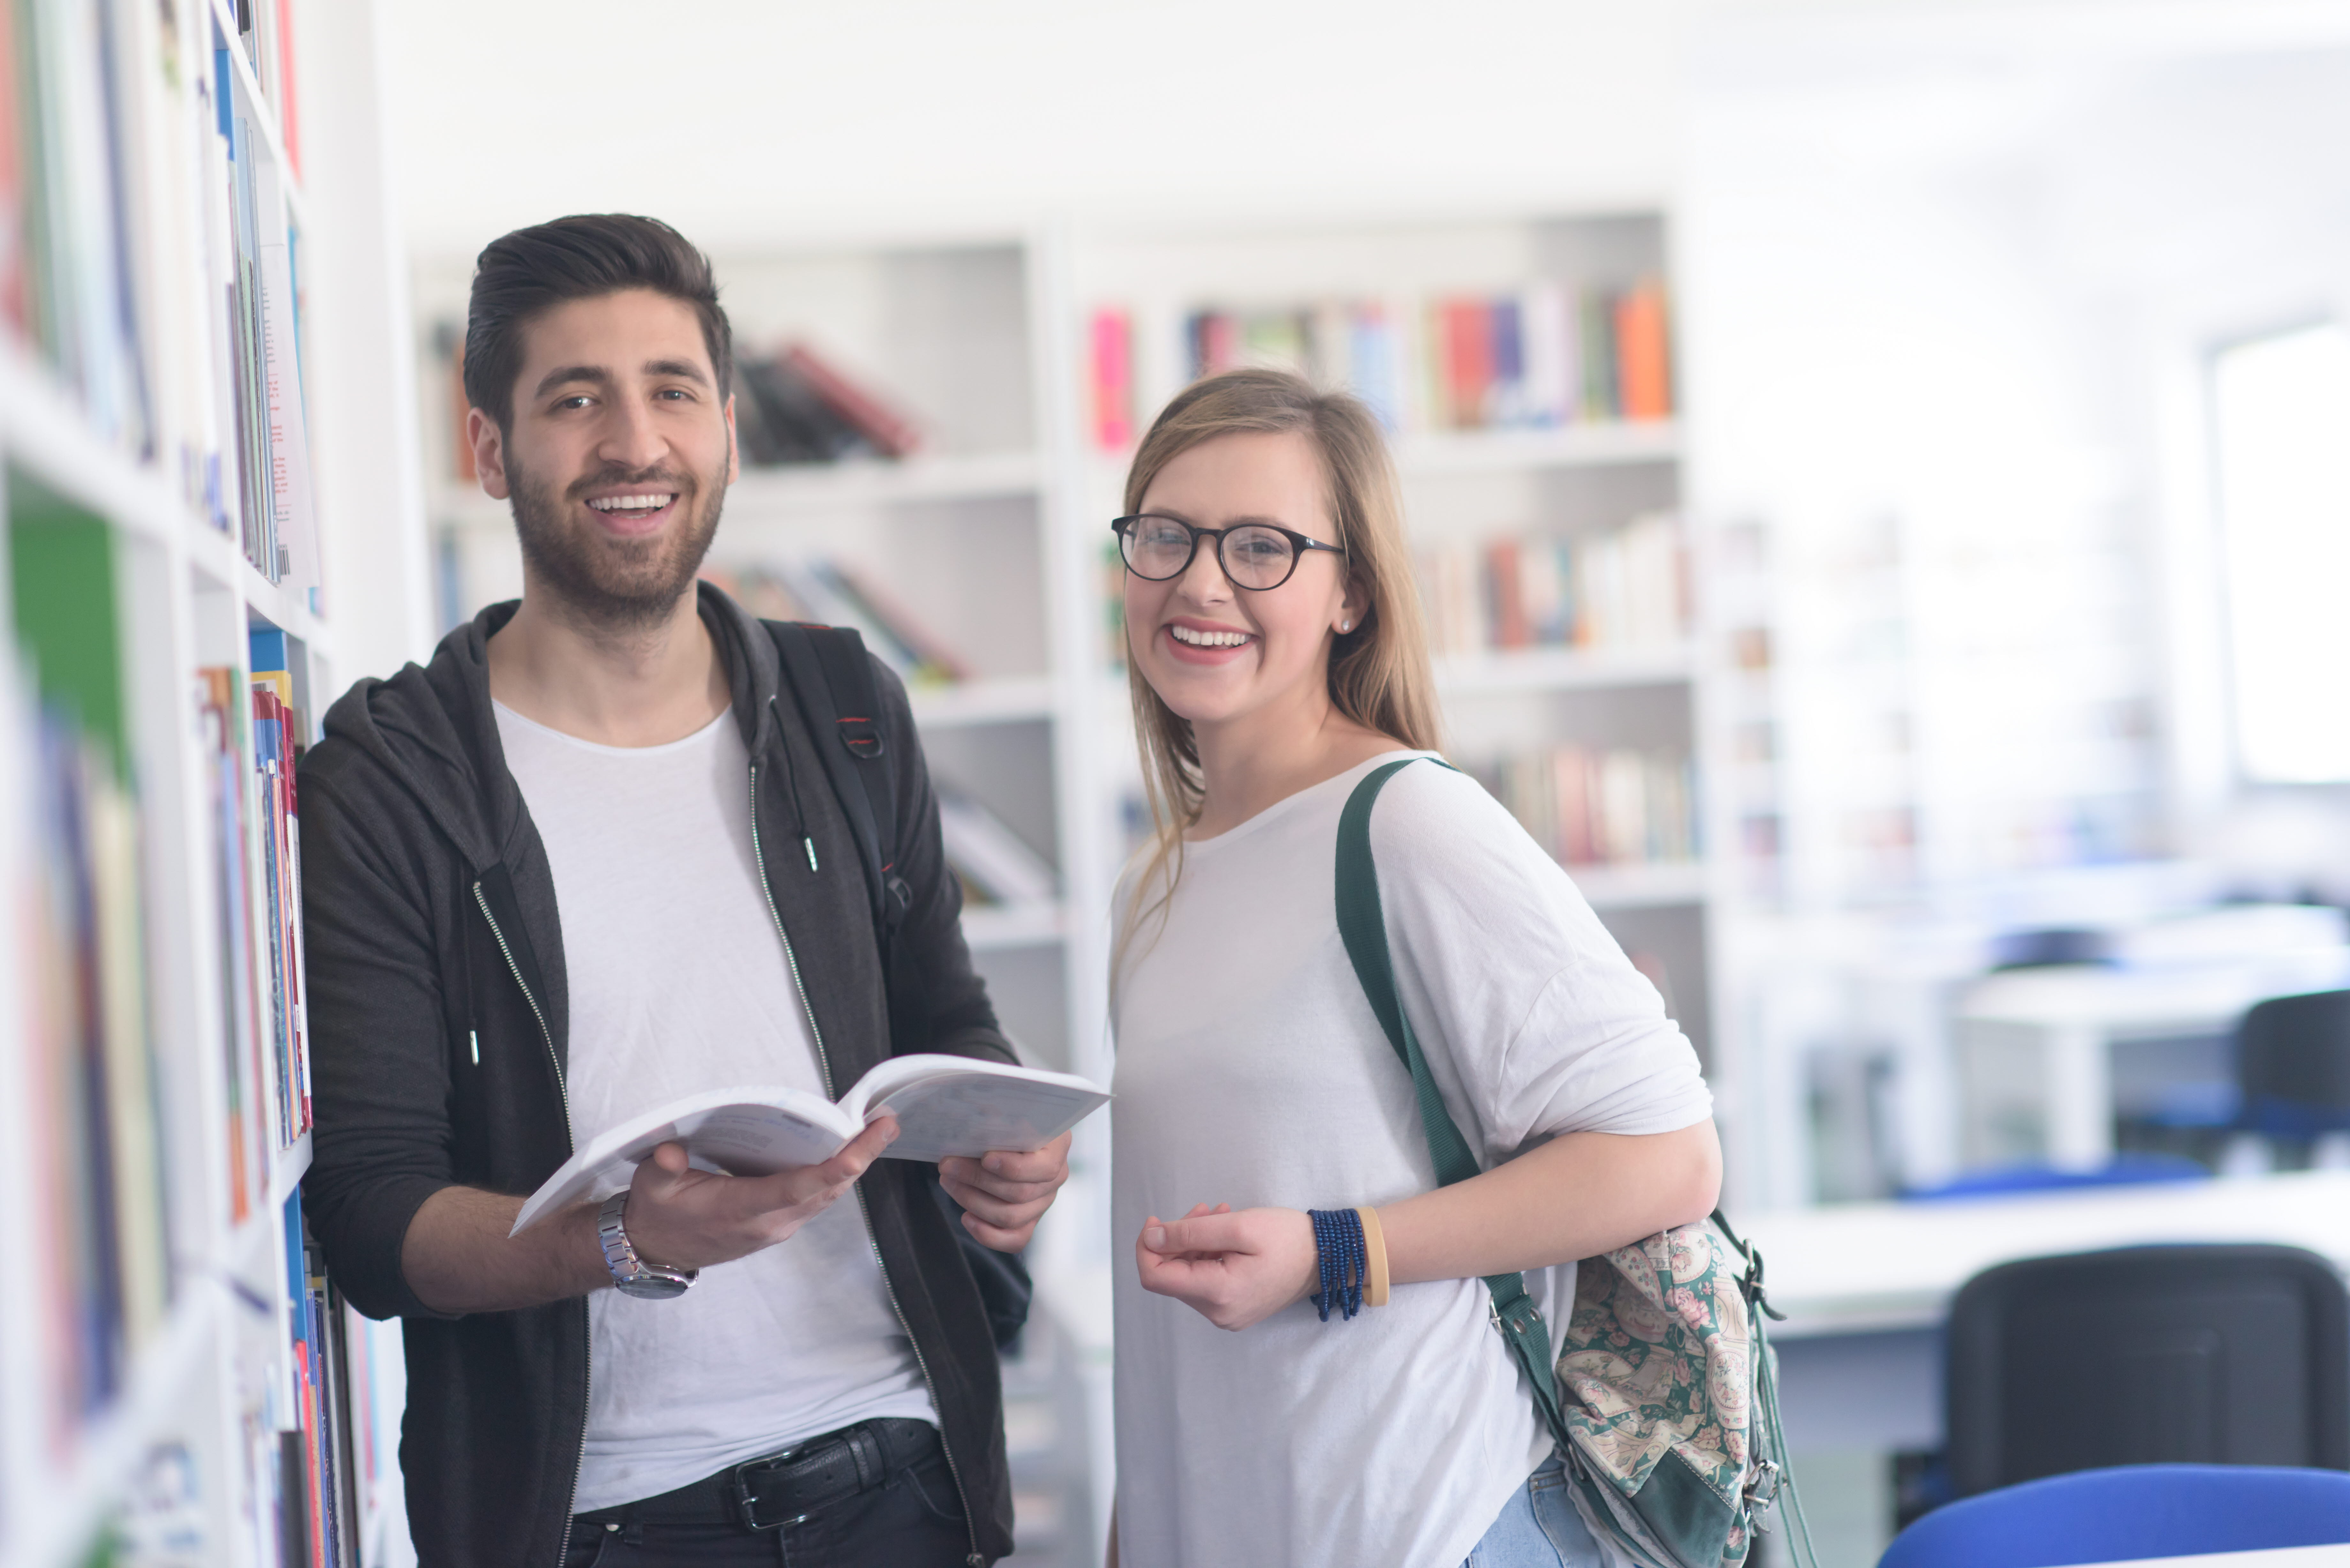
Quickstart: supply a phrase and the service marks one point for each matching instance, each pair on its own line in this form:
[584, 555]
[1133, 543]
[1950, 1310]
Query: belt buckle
[739, 1490]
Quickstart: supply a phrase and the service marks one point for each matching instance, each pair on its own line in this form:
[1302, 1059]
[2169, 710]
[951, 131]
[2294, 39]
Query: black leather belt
[780, 1488]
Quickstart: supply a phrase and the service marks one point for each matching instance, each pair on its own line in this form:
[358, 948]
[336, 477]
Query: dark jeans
[910, 1520]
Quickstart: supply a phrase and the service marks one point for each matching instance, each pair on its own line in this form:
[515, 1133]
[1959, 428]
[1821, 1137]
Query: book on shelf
[797, 406]
[1549, 354]
[1110, 379]
[273, 495]
[1623, 589]
[277, 747]
[944, 1105]
[318, 1497]
[102, 1213]
[995, 864]
[828, 591]
[147, 259]
[1600, 806]
[80, 295]
[100, 1219]
[235, 857]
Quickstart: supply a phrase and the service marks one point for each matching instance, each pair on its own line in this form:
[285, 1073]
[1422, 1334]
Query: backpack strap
[1362, 925]
[832, 676]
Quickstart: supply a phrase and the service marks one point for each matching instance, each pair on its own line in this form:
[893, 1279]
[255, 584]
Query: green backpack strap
[1363, 927]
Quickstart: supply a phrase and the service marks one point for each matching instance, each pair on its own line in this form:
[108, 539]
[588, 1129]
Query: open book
[944, 1104]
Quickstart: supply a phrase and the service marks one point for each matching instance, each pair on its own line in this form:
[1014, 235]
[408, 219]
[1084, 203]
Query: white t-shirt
[678, 983]
[1251, 1071]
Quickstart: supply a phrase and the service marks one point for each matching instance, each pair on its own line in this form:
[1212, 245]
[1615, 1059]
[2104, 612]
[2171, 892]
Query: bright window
[2282, 410]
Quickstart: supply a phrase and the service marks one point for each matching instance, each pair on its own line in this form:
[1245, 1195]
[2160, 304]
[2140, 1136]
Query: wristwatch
[632, 1275]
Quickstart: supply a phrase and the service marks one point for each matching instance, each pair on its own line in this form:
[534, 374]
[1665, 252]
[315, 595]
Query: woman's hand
[1234, 1269]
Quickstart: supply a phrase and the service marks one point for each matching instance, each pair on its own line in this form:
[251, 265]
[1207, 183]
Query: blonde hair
[1380, 675]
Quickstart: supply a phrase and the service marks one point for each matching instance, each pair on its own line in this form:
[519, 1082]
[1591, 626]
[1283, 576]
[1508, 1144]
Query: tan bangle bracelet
[1375, 1244]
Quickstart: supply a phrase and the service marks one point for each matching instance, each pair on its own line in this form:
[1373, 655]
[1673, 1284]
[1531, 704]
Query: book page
[756, 1130]
[956, 1105]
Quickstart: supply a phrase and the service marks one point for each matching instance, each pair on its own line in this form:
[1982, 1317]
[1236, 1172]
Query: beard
[614, 587]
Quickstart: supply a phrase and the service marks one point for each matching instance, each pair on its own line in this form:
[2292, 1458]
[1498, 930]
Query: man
[589, 860]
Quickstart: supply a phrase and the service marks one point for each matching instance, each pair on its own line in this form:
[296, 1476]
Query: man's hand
[1234, 1269]
[687, 1219]
[1004, 1194]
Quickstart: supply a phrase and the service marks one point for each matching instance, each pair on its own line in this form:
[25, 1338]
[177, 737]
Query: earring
[1346, 626]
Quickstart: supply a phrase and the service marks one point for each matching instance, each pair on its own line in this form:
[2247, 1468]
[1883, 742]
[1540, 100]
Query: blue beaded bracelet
[1343, 1258]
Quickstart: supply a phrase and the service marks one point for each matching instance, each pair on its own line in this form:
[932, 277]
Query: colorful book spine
[824, 591]
[891, 434]
[1546, 354]
[1600, 806]
[1625, 588]
[98, 1215]
[1644, 375]
[1110, 377]
[276, 732]
[225, 726]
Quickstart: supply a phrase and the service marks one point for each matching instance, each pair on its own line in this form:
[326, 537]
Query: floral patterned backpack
[1665, 1400]
[1670, 1393]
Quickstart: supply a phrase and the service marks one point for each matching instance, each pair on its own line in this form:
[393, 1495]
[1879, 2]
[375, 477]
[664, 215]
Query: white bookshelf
[208, 1384]
[1574, 481]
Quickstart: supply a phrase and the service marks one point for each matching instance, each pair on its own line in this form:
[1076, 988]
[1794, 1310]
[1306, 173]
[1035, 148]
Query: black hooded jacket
[439, 1021]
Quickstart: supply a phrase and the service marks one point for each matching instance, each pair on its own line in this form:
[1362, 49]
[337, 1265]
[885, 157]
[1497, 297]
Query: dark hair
[520, 274]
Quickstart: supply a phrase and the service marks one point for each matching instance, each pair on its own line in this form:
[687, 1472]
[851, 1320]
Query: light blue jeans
[1538, 1529]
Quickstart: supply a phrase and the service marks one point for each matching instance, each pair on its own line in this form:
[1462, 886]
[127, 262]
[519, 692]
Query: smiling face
[1215, 654]
[617, 457]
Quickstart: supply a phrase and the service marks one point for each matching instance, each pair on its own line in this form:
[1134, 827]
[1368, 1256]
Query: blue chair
[2015, 1180]
[2136, 1511]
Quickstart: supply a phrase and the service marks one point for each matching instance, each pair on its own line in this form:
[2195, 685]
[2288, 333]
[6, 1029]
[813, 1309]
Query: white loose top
[678, 984]
[1251, 1071]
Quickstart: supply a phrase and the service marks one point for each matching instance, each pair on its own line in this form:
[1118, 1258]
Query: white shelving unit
[174, 1457]
[1574, 481]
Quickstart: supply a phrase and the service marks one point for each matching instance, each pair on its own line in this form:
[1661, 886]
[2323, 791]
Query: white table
[1866, 1286]
[2046, 1052]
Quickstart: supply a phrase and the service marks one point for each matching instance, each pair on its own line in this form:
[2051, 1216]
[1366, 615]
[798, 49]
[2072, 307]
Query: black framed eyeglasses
[1255, 555]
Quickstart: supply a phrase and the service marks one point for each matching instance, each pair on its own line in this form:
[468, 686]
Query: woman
[1276, 656]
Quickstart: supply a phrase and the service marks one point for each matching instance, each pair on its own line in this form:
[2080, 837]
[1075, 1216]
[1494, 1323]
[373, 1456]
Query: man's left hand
[1005, 1193]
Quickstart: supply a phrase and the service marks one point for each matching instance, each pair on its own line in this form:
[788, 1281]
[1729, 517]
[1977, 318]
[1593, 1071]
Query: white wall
[751, 119]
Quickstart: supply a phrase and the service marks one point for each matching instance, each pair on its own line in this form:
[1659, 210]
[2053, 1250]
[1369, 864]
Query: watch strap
[631, 1273]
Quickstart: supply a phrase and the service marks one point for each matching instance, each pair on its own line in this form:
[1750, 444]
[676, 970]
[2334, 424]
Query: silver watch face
[654, 1284]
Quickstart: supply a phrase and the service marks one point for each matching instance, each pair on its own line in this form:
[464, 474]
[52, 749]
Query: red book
[891, 434]
[1113, 379]
[1643, 359]
[1468, 327]
[1506, 613]
[288, 121]
[1572, 781]
[1220, 342]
